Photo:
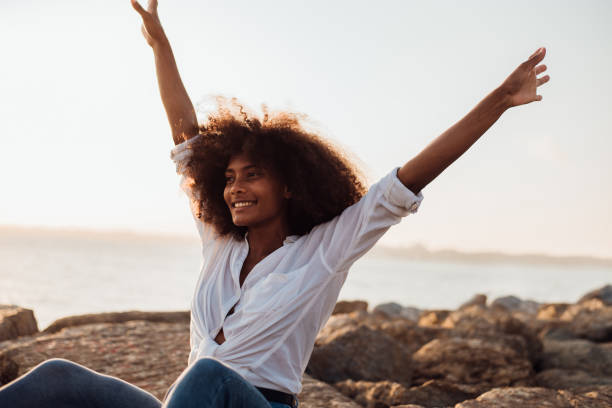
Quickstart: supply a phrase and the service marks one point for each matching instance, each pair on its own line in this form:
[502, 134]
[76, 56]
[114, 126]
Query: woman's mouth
[243, 204]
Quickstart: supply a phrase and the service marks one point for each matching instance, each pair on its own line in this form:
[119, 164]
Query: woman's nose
[237, 187]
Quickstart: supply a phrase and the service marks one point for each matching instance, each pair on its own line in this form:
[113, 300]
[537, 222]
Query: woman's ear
[287, 193]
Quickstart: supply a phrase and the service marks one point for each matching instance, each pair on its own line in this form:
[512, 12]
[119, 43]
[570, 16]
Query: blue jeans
[59, 383]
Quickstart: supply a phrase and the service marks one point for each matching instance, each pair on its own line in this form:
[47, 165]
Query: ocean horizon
[60, 273]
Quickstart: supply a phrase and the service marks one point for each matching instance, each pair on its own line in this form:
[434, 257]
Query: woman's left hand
[520, 87]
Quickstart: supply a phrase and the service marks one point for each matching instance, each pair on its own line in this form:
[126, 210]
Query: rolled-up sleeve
[352, 233]
[181, 155]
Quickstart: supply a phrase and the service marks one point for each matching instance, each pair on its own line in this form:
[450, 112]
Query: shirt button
[414, 206]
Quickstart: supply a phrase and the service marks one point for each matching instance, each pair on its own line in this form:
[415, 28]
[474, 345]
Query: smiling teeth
[243, 204]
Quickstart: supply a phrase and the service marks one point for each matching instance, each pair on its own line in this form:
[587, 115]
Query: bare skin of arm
[518, 89]
[178, 106]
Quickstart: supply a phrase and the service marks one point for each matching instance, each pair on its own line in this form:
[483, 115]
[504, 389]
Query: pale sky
[85, 141]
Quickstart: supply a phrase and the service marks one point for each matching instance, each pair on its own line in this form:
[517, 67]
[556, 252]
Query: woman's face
[253, 194]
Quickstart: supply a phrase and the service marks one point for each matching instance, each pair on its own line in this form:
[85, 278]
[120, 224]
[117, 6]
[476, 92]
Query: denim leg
[60, 383]
[208, 383]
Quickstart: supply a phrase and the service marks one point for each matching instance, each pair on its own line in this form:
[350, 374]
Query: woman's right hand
[151, 26]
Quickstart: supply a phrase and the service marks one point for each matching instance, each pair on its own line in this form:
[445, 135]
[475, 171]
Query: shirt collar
[290, 239]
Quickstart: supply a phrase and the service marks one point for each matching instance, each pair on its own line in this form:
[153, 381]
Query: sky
[84, 139]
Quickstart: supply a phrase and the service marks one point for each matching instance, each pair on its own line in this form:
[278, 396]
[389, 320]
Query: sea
[62, 273]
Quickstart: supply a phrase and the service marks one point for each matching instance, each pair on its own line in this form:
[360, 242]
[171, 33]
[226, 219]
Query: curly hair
[322, 181]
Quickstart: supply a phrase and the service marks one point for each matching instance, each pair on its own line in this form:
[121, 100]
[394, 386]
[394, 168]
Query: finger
[538, 97]
[152, 7]
[540, 68]
[138, 7]
[536, 57]
[542, 80]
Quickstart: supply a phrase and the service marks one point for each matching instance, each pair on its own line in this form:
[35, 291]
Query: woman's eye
[229, 180]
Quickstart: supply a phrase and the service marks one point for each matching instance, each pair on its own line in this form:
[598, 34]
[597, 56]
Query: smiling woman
[282, 216]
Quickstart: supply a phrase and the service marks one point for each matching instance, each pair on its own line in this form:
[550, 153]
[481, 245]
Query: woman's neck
[265, 239]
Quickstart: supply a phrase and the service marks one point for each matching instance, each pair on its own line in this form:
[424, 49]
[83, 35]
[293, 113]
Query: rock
[388, 309]
[433, 393]
[16, 321]
[604, 294]
[117, 317]
[476, 300]
[8, 370]
[591, 319]
[551, 311]
[569, 379]
[479, 322]
[413, 337]
[353, 319]
[515, 304]
[395, 310]
[472, 361]
[433, 318]
[146, 354]
[317, 394]
[345, 306]
[581, 355]
[408, 406]
[534, 397]
[359, 353]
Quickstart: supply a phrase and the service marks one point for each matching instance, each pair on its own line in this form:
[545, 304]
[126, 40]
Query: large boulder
[16, 321]
[359, 353]
[604, 294]
[472, 361]
[394, 310]
[346, 306]
[317, 394]
[118, 317]
[534, 397]
[481, 322]
[381, 394]
[569, 379]
[146, 354]
[584, 355]
[413, 337]
[591, 319]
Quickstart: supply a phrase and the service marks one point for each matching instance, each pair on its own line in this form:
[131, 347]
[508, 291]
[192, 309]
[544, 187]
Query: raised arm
[518, 89]
[179, 109]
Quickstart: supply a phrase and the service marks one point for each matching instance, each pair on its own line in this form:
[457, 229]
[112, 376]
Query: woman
[282, 216]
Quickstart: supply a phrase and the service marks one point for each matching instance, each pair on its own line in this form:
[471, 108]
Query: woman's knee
[58, 367]
[206, 372]
[209, 368]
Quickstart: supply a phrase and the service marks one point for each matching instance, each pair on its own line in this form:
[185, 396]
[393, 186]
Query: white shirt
[289, 295]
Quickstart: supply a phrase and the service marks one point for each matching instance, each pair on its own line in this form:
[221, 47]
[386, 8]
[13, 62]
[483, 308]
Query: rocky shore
[504, 353]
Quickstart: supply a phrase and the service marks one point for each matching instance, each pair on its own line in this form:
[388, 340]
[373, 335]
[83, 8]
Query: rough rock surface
[604, 294]
[345, 306]
[568, 379]
[533, 397]
[477, 322]
[472, 361]
[348, 354]
[16, 321]
[591, 319]
[118, 317]
[433, 393]
[596, 359]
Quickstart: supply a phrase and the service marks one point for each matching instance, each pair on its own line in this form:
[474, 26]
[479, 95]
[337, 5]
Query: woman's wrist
[161, 45]
[502, 96]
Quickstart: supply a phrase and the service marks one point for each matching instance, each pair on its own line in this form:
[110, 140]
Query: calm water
[59, 274]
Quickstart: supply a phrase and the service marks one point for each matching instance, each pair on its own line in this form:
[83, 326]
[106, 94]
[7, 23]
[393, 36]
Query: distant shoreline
[417, 252]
